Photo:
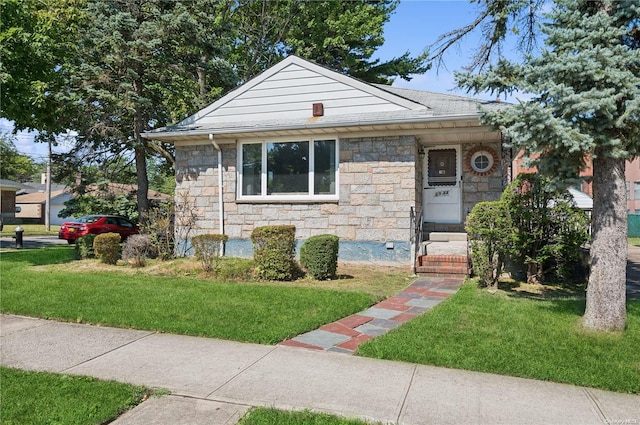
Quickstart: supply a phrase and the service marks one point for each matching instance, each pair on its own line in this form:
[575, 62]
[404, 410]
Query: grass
[29, 230]
[33, 398]
[515, 333]
[47, 283]
[634, 241]
[270, 416]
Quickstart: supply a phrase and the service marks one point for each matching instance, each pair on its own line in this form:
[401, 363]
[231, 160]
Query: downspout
[220, 197]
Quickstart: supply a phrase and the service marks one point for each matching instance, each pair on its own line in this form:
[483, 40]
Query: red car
[96, 224]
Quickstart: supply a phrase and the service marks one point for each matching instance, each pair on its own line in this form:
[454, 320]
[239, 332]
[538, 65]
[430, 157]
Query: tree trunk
[606, 291]
[142, 179]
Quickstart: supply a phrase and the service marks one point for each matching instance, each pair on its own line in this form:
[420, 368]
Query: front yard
[514, 332]
[526, 333]
[177, 298]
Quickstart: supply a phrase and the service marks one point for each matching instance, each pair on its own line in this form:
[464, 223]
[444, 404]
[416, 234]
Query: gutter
[220, 185]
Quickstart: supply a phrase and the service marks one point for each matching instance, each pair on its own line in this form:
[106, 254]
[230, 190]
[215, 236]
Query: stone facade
[481, 188]
[380, 180]
[378, 185]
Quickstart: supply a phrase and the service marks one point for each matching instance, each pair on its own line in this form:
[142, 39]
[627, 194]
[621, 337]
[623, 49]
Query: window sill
[290, 200]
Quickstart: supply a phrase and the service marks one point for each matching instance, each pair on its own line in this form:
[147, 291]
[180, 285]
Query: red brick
[339, 328]
[292, 343]
[353, 343]
[355, 320]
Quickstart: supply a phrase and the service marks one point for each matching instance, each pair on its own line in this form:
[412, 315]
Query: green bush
[84, 247]
[319, 255]
[489, 230]
[136, 248]
[107, 247]
[273, 252]
[208, 249]
[548, 230]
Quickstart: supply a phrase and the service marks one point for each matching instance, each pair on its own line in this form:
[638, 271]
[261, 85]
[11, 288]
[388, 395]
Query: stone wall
[379, 182]
[481, 188]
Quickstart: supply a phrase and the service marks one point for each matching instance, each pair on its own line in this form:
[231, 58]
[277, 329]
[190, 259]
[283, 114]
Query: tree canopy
[110, 70]
[13, 165]
[37, 38]
[585, 107]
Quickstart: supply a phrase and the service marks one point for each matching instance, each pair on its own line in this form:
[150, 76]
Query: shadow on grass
[41, 256]
[546, 291]
[564, 298]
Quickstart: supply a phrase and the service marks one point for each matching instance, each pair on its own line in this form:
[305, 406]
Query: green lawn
[511, 334]
[270, 416]
[251, 312]
[634, 241]
[34, 398]
[29, 230]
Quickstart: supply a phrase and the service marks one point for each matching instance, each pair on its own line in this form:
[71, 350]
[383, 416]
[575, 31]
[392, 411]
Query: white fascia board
[205, 131]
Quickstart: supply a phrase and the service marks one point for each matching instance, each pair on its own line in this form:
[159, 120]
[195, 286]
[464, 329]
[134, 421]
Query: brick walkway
[347, 334]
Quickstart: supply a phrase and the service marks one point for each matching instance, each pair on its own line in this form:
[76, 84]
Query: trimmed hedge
[208, 249]
[107, 247]
[319, 255]
[274, 251]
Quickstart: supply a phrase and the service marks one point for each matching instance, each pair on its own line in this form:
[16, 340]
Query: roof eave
[164, 135]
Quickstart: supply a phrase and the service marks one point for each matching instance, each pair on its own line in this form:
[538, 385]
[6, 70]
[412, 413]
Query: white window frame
[310, 196]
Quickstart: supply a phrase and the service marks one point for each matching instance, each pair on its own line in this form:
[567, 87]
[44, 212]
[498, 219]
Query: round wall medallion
[481, 161]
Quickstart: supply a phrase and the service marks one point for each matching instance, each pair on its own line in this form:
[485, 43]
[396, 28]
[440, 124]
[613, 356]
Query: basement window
[288, 170]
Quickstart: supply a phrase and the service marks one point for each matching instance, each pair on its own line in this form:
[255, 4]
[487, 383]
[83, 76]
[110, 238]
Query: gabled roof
[40, 197]
[281, 100]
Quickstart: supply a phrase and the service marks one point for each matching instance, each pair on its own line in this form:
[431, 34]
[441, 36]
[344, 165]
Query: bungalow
[303, 145]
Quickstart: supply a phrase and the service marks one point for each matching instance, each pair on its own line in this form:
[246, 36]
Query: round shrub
[319, 255]
[208, 249]
[107, 247]
[273, 252]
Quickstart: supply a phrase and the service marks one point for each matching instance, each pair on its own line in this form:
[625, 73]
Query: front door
[442, 185]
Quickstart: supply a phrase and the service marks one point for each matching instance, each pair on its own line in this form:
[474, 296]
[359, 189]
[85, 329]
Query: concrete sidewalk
[214, 381]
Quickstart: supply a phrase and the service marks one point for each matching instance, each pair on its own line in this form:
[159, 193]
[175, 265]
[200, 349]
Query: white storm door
[442, 193]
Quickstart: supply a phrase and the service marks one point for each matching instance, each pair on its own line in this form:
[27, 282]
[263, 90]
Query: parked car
[96, 224]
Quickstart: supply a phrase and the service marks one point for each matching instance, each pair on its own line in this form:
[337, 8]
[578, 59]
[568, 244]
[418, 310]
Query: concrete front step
[442, 265]
[446, 236]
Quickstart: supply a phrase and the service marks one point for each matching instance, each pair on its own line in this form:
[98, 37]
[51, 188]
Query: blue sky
[415, 25]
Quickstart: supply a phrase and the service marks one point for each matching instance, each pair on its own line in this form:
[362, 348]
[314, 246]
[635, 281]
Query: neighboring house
[632, 178]
[8, 189]
[303, 145]
[32, 204]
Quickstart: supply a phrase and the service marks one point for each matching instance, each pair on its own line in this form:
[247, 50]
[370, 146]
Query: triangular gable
[288, 90]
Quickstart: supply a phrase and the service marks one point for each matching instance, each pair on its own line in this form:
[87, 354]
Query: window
[481, 162]
[288, 170]
[636, 191]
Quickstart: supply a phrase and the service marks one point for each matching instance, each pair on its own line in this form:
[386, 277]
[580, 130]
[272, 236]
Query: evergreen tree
[143, 66]
[586, 105]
